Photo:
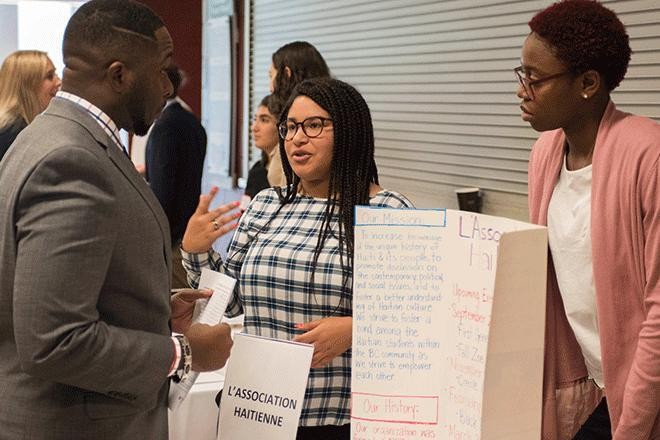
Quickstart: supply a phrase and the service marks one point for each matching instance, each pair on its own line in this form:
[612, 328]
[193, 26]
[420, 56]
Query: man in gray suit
[85, 345]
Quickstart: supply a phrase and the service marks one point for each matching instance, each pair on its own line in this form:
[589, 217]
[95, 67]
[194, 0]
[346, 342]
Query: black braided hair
[352, 169]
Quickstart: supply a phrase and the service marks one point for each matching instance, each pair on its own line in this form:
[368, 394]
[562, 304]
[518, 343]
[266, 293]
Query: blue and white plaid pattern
[271, 257]
[107, 124]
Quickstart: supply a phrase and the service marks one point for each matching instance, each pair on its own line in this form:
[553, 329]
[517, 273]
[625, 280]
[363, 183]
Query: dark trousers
[597, 426]
[329, 432]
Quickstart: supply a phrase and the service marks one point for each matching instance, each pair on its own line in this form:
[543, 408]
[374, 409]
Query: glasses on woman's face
[312, 127]
[528, 84]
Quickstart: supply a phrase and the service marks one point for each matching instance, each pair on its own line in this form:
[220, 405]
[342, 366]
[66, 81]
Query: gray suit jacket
[84, 287]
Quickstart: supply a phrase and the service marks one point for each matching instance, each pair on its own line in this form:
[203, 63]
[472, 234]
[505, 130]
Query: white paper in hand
[207, 311]
[210, 311]
[264, 389]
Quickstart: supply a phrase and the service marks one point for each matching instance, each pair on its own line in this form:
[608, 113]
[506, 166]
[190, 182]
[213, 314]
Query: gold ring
[216, 225]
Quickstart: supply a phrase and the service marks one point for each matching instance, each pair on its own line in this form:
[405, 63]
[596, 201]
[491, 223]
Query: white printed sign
[264, 389]
[448, 325]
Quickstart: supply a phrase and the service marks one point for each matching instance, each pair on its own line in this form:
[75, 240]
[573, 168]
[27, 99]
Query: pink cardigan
[625, 233]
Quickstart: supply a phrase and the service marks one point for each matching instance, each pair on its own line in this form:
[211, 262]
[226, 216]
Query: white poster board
[264, 389]
[448, 326]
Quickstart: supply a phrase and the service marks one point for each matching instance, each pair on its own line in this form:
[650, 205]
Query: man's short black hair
[111, 26]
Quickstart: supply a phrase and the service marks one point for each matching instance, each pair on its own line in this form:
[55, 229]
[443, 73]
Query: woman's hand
[330, 337]
[205, 227]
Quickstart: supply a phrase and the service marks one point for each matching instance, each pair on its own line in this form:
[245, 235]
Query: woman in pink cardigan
[594, 180]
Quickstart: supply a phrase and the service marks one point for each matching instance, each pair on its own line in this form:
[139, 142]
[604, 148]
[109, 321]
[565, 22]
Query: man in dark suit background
[174, 164]
[85, 345]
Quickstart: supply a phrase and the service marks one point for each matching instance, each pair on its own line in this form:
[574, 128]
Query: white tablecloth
[197, 416]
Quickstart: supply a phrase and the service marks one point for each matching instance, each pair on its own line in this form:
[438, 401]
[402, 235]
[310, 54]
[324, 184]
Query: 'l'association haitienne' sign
[264, 389]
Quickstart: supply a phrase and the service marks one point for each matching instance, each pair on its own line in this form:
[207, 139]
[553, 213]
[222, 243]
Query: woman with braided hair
[290, 65]
[293, 251]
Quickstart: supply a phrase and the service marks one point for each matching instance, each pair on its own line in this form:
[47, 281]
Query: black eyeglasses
[527, 83]
[312, 127]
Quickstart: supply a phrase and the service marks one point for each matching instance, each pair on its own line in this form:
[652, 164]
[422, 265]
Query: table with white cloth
[197, 416]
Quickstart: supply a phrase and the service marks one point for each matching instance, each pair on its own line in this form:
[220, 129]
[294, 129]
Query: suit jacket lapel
[127, 168]
[72, 111]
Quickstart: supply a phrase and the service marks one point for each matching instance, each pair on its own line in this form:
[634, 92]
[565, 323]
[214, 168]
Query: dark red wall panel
[184, 21]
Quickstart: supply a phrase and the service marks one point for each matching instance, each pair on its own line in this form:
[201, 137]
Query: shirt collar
[107, 124]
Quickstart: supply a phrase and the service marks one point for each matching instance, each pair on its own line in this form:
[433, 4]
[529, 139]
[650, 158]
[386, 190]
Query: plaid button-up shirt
[271, 256]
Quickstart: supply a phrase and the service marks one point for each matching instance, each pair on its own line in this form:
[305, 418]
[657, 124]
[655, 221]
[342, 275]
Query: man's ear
[119, 76]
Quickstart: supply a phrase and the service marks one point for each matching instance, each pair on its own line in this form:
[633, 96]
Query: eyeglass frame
[301, 124]
[527, 84]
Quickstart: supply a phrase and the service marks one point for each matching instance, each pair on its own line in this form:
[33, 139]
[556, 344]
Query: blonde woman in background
[27, 84]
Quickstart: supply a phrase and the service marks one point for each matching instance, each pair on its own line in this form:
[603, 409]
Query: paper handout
[448, 325]
[264, 389]
[207, 311]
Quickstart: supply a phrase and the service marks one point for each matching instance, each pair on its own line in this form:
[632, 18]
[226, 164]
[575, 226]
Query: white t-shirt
[569, 236]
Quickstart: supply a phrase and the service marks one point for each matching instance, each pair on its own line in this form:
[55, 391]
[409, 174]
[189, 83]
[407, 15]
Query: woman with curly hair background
[594, 181]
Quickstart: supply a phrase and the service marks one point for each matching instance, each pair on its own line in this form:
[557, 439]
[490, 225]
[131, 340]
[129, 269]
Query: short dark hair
[264, 101]
[353, 167]
[586, 35]
[111, 25]
[272, 104]
[303, 60]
